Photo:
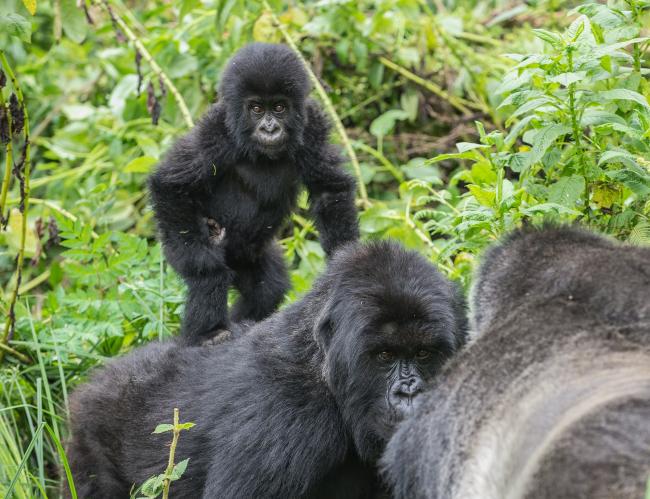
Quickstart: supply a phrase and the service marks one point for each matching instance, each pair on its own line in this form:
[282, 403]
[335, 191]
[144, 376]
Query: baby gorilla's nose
[270, 126]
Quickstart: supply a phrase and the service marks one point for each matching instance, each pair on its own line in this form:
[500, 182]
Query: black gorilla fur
[299, 406]
[222, 192]
[552, 399]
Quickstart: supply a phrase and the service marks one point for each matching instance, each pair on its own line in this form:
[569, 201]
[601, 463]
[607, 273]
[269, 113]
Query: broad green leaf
[566, 79]
[598, 116]
[544, 138]
[179, 469]
[13, 235]
[453, 155]
[74, 21]
[635, 179]
[384, 124]
[624, 94]
[567, 190]
[164, 428]
[140, 165]
[549, 208]
[186, 426]
[409, 102]
[485, 197]
[16, 25]
[548, 36]
[617, 157]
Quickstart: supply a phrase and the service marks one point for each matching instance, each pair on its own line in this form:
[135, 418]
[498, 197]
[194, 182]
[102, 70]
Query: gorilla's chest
[252, 200]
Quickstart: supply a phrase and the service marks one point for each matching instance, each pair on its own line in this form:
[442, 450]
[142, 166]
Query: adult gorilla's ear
[323, 325]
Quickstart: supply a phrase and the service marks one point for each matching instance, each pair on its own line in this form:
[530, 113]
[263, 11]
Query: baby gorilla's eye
[386, 356]
[423, 355]
[279, 108]
[257, 109]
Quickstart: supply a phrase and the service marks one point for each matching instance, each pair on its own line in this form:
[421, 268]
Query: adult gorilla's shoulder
[552, 398]
[298, 406]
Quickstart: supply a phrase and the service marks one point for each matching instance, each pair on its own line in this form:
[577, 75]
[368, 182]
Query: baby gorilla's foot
[216, 231]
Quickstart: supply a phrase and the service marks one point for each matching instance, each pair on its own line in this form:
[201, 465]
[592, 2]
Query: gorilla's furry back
[552, 398]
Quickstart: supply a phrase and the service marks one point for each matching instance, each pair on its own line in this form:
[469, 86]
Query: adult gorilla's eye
[423, 355]
[278, 108]
[257, 109]
[386, 356]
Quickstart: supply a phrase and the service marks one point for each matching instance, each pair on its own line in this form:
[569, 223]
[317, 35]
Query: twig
[340, 129]
[152, 63]
[23, 206]
[463, 107]
[15, 353]
[172, 450]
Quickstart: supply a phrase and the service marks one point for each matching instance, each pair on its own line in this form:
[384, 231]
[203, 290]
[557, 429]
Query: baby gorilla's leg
[262, 285]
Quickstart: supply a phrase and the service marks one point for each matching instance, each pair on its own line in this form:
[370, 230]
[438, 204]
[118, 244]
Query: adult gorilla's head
[264, 88]
[389, 323]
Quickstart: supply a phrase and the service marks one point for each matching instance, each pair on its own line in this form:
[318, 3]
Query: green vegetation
[462, 119]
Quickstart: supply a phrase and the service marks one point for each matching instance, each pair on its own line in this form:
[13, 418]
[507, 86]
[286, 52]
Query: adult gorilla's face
[385, 334]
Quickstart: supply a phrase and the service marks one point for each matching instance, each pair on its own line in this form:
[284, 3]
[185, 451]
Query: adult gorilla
[299, 406]
[552, 400]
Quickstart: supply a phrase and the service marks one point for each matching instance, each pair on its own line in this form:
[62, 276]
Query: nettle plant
[576, 144]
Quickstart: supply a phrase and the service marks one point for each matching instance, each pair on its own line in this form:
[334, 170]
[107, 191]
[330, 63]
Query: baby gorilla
[222, 192]
[299, 406]
[552, 399]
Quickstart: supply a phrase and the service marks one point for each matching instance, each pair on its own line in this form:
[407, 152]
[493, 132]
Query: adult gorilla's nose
[403, 394]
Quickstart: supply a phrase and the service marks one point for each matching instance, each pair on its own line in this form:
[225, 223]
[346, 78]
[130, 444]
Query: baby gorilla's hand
[216, 233]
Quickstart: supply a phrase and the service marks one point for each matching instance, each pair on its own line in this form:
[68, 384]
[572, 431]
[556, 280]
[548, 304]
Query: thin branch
[172, 451]
[329, 107]
[152, 63]
[24, 203]
[456, 102]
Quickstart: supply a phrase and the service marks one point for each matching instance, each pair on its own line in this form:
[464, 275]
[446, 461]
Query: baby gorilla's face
[268, 117]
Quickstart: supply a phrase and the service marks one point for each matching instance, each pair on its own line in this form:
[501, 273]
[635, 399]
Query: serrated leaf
[485, 197]
[640, 235]
[179, 469]
[597, 116]
[164, 428]
[544, 138]
[567, 190]
[635, 179]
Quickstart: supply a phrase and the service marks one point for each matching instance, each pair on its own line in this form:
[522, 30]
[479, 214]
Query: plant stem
[430, 86]
[172, 450]
[577, 132]
[329, 107]
[152, 63]
[399, 176]
[23, 207]
[9, 148]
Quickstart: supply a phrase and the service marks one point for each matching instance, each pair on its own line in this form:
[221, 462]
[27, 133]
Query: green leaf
[623, 157]
[30, 5]
[548, 36]
[186, 426]
[567, 190]
[485, 197]
[549, 208]
[188, 6]
[544, 138]
[164, 428]
[566, 79]
[624, 94]
[140, 165]
[453, 155]
[18, 26]
[74, 21]
[635, 179]
[640, 235]
[384, 124]
[409, 102]
[179, 469]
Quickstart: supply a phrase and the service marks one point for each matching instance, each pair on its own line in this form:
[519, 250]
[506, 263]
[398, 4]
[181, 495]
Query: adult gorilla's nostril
[411, 387]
